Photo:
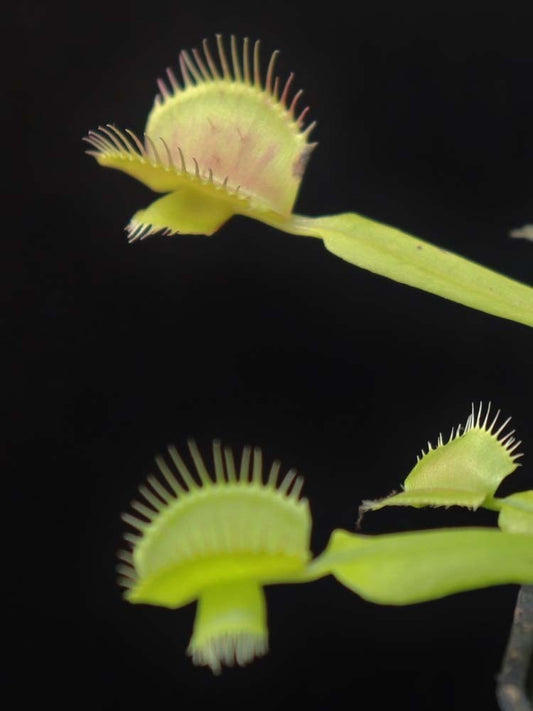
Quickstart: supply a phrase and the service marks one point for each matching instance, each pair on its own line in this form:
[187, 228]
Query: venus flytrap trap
[229, 140]
[464, 471]
[225, 142]
[218, 537]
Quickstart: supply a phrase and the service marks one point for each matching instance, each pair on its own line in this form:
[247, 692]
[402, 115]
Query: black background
[424, 122]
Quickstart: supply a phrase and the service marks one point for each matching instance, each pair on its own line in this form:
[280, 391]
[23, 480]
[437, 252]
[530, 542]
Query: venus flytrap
[219, 536]
[414, 567]
[229, 140]
[217, 539]
[226, 141]
[411, 567]
[464, 471]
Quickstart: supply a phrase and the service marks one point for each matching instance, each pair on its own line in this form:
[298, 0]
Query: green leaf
[405, 568]
[516, 513]
[399, 256]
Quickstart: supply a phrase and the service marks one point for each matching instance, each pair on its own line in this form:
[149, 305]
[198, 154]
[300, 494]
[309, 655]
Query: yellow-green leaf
[399, 256]
[405, 568]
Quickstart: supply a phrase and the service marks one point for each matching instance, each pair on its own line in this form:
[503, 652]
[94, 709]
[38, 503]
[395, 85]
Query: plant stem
[515, 680]
[492, 503]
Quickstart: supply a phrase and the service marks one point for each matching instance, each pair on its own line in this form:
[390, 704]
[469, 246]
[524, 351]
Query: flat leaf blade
[406, 568]
[399, 256]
